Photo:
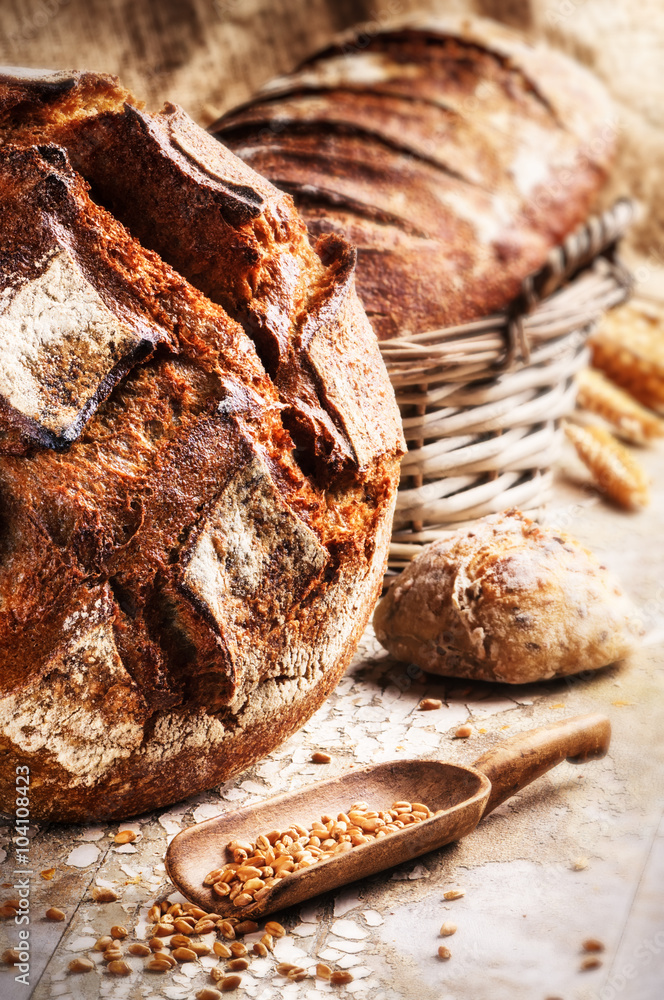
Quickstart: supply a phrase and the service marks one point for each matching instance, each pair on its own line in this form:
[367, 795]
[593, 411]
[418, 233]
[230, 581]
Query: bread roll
[451, 152]
[198, 456]
[506, 600]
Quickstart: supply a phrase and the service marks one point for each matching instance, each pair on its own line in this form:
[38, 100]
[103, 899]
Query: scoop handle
[512, 765]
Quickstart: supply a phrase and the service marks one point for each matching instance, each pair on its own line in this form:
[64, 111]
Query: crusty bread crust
[92, 754]
[180, 586]
[507, 600]
[449, 151]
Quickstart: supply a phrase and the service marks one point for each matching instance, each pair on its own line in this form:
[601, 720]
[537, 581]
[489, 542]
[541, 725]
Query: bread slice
[180, 584]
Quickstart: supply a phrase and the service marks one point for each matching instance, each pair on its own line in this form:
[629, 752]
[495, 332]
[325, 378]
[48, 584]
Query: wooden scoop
[464, 794]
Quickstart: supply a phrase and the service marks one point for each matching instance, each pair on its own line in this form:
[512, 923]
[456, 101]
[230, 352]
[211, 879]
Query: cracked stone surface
[578, 854]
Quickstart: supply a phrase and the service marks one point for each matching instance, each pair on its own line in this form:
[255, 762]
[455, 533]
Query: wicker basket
[481, 403]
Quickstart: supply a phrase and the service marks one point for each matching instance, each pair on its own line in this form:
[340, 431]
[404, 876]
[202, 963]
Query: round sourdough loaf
[199, 452]
[507, 600]
[450, 151]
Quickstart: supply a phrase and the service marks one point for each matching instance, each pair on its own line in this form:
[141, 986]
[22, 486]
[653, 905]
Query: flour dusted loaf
[199, 455]
[507, 600]
[450, 152]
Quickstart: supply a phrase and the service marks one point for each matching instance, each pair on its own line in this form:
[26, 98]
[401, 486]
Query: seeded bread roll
[453, 154]
[507, 600]
[199, 454]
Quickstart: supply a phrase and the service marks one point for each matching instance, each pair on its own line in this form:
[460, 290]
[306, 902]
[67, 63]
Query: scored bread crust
[507, 600]
[449, 151]
[197, 468]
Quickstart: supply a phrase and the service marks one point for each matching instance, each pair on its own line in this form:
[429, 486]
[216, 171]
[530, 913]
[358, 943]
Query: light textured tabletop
[526, 908]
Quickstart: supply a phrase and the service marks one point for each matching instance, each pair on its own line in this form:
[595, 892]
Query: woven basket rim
[481, 402]
[581, 277]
